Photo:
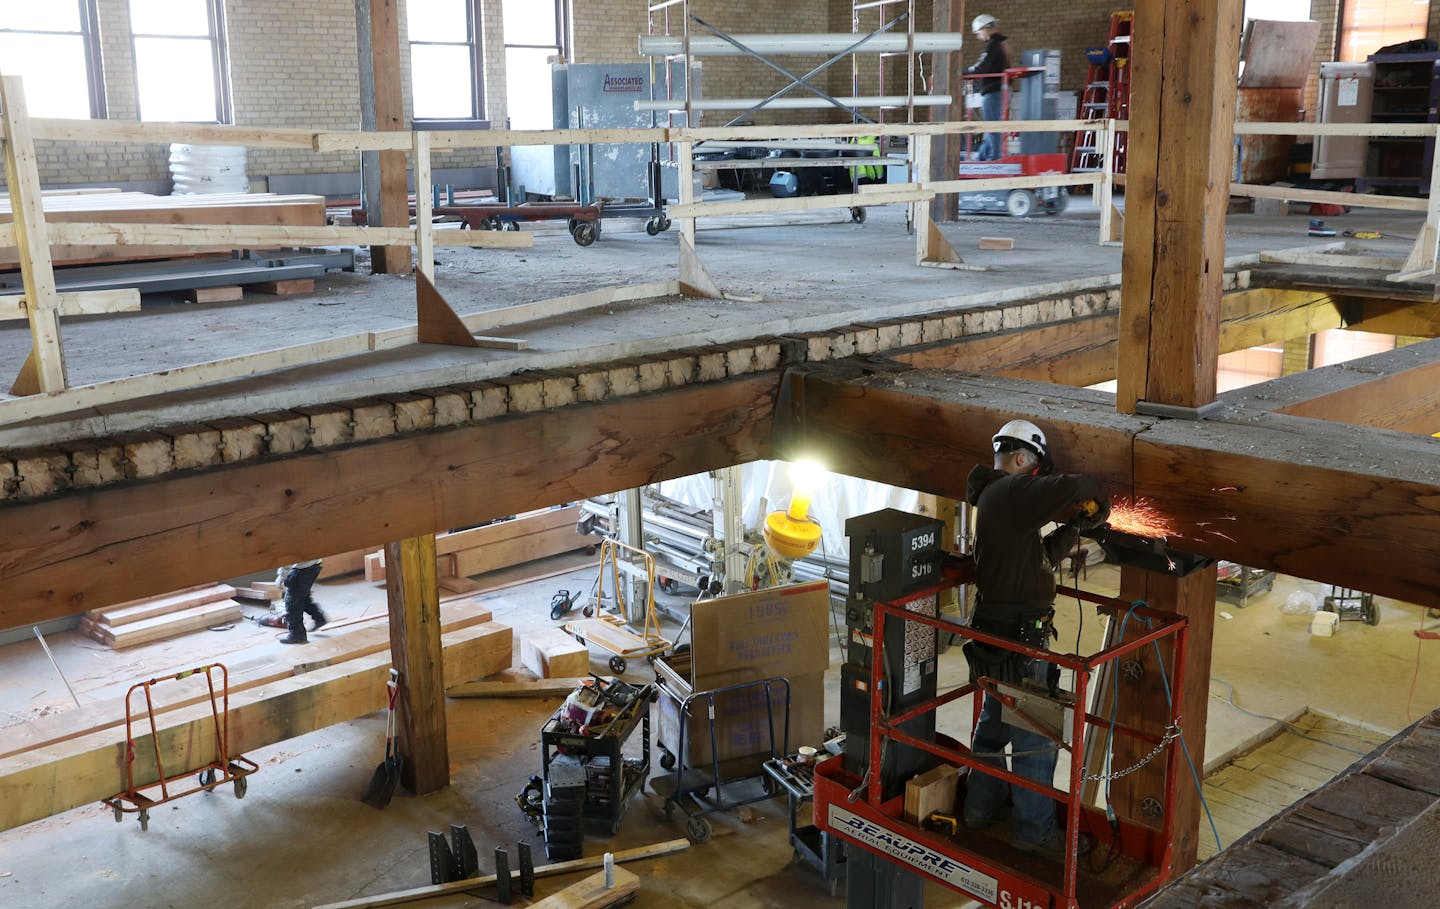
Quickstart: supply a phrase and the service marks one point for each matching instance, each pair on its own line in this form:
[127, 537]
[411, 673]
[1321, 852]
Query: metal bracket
[1177, 411]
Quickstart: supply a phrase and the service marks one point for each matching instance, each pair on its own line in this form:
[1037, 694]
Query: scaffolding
[678, 34]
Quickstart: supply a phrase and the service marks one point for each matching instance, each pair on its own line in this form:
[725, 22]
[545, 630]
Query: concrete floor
[301, 837]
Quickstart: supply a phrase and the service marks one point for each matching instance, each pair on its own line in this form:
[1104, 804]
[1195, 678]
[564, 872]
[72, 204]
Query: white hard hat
[982, 21]
[1024, 432]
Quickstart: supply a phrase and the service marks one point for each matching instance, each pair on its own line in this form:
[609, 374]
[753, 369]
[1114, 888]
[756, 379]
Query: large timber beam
[71, 553]
[1082, 351]
[1310, 498]
[1398, 389]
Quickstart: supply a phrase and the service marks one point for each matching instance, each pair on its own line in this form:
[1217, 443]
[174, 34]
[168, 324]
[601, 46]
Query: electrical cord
[1184, 747]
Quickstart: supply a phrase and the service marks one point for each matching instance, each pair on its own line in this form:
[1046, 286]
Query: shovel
[387, 774]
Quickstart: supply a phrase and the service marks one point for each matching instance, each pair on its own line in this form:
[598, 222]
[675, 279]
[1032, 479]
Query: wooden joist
[83, 770]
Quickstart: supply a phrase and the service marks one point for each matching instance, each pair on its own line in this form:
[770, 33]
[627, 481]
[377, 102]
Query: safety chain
[1172, 732]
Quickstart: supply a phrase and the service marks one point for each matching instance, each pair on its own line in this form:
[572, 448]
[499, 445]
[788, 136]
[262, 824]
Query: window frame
[562, 34]
[90, 42]
[219, 63]
[476, 45]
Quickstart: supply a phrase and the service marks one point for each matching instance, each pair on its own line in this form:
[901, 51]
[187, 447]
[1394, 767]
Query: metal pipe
[46, 647]
[794, 79]
[810, 43]
[805, 79]
[704, 104]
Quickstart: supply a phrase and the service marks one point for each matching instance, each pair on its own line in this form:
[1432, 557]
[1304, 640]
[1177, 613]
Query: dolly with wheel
[224, 768]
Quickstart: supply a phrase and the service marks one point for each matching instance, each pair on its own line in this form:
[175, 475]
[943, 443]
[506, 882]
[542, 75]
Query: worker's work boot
[294, 637]
[318, 615]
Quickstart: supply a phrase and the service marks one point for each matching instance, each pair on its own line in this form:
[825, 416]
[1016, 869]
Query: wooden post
[1178, 161]
[949, 71]
[424, 230]
[1112, 224]
[694, 279]
[45, 368]
[412, 588]
[1177, 186]
[383, 108]
[923, 213]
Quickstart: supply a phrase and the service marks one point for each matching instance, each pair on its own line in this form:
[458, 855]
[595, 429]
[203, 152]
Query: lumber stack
[157, 618]
[464, 553]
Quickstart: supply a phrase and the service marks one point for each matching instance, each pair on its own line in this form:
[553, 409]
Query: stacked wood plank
[156, 618]
[463, 553]
[142, 208]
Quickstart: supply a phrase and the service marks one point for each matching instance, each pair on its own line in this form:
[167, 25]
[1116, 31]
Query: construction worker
[1015, 592]
[868, 173]
[995, 58]
[297, 579]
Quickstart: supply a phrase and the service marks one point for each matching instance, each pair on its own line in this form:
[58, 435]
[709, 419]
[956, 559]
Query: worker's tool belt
[1020, 622]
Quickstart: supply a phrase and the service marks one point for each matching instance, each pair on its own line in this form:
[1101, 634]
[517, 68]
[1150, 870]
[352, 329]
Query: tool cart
[1352, 605]
[586, 738]
[1239, 583]
[820, 849]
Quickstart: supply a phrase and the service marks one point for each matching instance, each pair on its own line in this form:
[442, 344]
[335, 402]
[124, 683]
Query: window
[181, 72]
[1368, 25]
[534, 32]
[446, 78]
[55, 48]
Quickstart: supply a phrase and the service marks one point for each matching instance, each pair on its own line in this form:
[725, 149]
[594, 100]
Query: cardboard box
[782, 631]
[931, 791]
[742, 722]
[551, 653]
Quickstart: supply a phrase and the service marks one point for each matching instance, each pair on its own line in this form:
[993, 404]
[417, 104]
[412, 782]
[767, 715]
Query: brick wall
[291, 65]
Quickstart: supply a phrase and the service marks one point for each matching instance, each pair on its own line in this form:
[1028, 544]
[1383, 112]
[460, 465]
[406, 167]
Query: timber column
[1182, 111]
[382, 107]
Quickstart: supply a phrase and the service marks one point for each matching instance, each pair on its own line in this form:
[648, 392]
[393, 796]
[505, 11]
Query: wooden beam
[1266, 490]
[77, 552]
[22, 176]
[1083, 351]
[14, 307]
[453, 887]
[263, 235]
[1397, 390]
[413, 592]
[1385, 317]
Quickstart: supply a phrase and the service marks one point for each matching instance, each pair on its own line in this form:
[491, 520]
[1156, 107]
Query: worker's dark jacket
[994, 59]
[1013, 564]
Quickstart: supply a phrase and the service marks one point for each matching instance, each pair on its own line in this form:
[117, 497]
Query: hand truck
[225, 768]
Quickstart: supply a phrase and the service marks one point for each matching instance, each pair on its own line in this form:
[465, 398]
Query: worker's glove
[1086, 520]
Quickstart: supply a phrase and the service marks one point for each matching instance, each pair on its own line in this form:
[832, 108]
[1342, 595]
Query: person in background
[297, 580]
[995, 58]
[1015, 584]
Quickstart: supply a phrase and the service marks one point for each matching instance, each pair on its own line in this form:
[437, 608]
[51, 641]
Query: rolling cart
[611, 779]
[716, 781]
[609, 631]
[815, 847]
[1352, 605]
[225, 768]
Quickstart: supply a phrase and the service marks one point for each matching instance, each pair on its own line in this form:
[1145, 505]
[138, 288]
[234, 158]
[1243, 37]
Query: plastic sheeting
[766, 487]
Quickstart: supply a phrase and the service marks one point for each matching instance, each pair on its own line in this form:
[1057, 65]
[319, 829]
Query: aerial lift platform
[889, 700]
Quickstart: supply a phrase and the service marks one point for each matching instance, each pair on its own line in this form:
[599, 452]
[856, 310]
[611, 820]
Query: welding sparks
[1140, 518]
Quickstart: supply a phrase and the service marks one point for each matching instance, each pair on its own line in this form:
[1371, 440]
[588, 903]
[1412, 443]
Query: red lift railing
[980, 865]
